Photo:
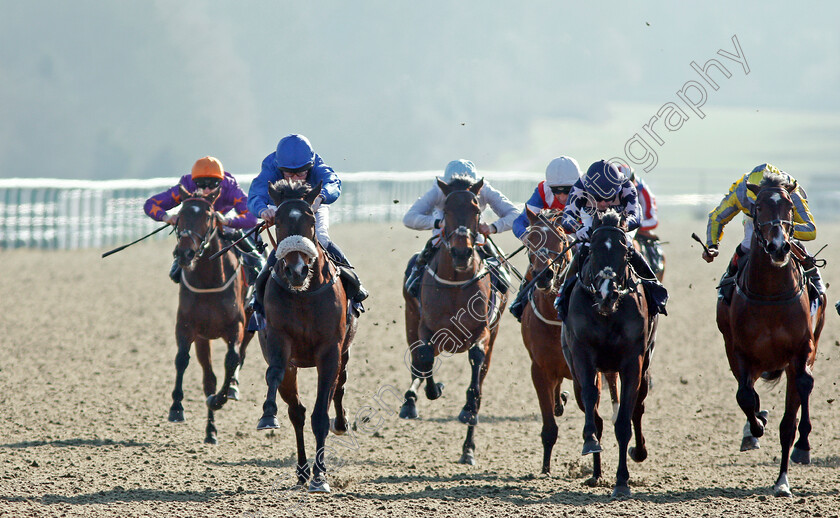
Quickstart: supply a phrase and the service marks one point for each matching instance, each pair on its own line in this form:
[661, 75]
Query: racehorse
[211, 304]
[608, 329]
[767, 326]
[308, 325]
[459, 312]
[549, 252]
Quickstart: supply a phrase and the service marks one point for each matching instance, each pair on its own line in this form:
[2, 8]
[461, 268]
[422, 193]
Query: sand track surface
[87, 371]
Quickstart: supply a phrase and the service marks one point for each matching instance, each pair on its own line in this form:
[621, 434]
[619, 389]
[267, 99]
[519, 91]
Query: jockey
[208, 174]
[550, 194]
[427, 214]
[741, 199]
[295, 159]
[605, 187]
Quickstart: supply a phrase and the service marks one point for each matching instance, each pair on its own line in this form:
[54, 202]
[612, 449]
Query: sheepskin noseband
[296, 243]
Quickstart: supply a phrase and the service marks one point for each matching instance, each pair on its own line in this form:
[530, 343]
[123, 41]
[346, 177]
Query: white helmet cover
[563, 170]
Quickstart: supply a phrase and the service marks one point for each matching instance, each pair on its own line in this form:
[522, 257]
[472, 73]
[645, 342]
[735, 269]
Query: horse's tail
[772, 378]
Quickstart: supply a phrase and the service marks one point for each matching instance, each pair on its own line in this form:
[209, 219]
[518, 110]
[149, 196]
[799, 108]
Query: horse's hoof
[468, 417]
[762, 416]
[233, 393]
[800, 456]
[546, 470]
[559, 405]
[211, 439]
[214, 402]
[434, 390]
[409, 410]
[782, 490]
[176, 416]
[637, 454]
[467, 458]
[319, 485]
[621, 492]
[268, 422]
[749, 443]
[336, 431]
[591, 446]
[757, 431]
[591, 481]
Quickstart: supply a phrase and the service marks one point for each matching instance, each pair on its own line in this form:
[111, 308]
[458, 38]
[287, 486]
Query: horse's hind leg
[547, 395]
[800, 383]
[231, 364]
[182, 359]
[203, 355]
[480, 362]
[804, 385]
[297, 415]
[276, 359]
[631, 382]
[612, 383]
[748, 401]
[233, 391]
[599, 429]
[338, 426]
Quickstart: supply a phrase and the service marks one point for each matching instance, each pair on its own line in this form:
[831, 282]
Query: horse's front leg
[233, 391]
[276, 355]
[216, 401]
[423, 363]
[328, 367]
[204, 357]
[479, 361]
[631, 381]
[748, 401]
[184, 340]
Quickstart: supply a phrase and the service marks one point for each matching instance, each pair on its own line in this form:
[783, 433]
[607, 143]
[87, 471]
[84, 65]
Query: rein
[539, 315]
[221, 288]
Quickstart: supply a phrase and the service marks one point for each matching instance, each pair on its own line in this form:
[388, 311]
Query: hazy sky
[105, 89]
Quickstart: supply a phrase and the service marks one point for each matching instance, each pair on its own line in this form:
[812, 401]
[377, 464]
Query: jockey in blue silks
[294, 159]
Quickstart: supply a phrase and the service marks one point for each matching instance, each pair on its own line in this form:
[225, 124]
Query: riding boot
[561, 303]
[412, 284]
[727, 281]
[175, 272]
[356, 293]
[518, 304]
[657, 292]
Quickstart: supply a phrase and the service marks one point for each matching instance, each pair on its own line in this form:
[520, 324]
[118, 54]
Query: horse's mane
[292, 189]
[462, 182]
[774, 180]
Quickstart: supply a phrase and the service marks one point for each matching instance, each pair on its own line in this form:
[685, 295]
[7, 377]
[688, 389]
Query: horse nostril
[786, 247]
[287, 271]
[189, 254]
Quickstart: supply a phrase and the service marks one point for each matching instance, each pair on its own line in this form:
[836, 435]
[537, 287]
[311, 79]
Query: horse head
[607, 275]
[197, 225]
[772, 214]
[545, 239]
[461, 213]
[294, 224]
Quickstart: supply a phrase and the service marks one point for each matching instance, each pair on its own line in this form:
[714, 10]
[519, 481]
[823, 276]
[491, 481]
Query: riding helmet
[562, 171]
[628, 172]
[603, 180]
[459, 168]
[294, 153]
[208, 167]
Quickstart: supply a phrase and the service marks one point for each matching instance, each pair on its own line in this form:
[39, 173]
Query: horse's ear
[622, 221]
[184, 193]
[532, 216]
[313, 193]
[275, 194]
[476, 187]
[443, 186]
[754, 188]
[792, 186]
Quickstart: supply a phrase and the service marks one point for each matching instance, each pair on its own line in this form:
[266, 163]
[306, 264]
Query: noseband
[201, 242]
[760, 226]
[460, 230]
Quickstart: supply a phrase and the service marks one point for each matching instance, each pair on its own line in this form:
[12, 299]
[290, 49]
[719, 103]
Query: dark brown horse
[308, 325]
[456, 313]
[211, 305]
[549, 253]
[767, 326]
[608, 329]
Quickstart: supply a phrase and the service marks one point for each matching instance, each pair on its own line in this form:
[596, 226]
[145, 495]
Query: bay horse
[767, 326]
[651, 250]
[454, 313]
[608, 329]
[211, 304]
[307, 325]
[549, 253]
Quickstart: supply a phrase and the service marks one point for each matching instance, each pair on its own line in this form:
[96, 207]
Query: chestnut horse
[211, 305]
[767, 326]
[549, 252]
[457, 314]
[608, 329]
[307, 325]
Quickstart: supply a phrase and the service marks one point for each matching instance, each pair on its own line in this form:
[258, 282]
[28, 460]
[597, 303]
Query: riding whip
[123, 247]
[256, 229]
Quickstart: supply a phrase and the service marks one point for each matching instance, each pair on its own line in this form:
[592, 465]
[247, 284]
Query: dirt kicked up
[87, 372]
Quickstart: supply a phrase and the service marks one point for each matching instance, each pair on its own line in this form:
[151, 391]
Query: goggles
[560, 189]
[207, 182]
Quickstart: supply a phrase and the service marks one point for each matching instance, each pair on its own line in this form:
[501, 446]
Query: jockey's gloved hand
[710, 253]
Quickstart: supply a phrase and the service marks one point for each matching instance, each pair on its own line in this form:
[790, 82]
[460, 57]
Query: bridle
[461, 229]
[607, 274]
[761, 225]
[202, 243]
[544, 253]
[306, 208]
